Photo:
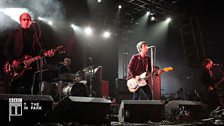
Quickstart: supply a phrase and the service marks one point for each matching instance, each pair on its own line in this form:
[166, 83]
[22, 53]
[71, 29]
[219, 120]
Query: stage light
[74, 27]
[98, 1]
[45, 20]
[50, 22]
[88, 30]
[147, 13]
[40, 18]
[119, 6]
[152, 18]
[168, 19]
[106, 34]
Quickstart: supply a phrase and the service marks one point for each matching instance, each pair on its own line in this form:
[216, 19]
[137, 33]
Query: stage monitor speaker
[174, 108]
[83, 110]
[18, 109]
[141, 111]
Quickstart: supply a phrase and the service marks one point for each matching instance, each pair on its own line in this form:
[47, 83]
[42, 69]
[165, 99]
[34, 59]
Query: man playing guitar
[139, 64]
[19, 44]
[211, 85]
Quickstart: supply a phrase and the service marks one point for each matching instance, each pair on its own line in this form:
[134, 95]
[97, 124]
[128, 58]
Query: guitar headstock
[60, 49]
[167, 69]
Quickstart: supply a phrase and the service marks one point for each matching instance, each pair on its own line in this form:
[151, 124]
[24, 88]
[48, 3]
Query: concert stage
[42, 110]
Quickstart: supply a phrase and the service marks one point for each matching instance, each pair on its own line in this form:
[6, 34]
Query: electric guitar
[13, 72]
[134, 84]
[216, 86]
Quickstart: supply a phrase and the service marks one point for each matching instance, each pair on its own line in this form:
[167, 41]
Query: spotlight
[147, 13]
[88, 31]
[98, 1]
[40, 18]
[168, 19]
[75, 27]
[50, 22]
[152, 18]
[106, 34]
[119, 6]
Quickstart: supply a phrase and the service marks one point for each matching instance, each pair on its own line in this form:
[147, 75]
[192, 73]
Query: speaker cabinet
[174, 108]
[83, 110]
[17, 109]
[141, 111]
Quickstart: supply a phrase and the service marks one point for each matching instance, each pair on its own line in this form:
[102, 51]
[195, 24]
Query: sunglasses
[26, 19]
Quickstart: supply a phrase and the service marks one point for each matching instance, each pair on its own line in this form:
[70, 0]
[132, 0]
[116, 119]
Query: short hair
[67, 59]
[25, 13]
[139, 45]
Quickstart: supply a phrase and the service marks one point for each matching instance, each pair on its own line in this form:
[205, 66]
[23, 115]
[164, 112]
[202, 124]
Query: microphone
[216, 64]
[150, 47]
[91, 60]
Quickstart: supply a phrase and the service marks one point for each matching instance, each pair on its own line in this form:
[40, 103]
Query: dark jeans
[146, 90]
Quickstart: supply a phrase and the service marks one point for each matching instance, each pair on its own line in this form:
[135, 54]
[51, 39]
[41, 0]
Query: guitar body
[217, 88]
[13, 72]
[134, 84]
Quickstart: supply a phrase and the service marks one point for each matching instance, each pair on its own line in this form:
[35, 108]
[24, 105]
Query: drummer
[65, 67]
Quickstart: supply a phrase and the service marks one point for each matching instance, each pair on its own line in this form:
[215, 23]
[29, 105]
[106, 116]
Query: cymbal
[88, 70]
[79, 73]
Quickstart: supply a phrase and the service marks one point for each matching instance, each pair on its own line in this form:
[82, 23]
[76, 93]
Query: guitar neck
[31, 60]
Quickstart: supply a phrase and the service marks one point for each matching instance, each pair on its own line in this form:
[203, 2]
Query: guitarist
[210, 83]
[138, 64]
[21, 42]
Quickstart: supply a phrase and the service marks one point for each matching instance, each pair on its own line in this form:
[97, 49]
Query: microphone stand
[91, 83]
[152, 67]
[40, 68]
[91, 77]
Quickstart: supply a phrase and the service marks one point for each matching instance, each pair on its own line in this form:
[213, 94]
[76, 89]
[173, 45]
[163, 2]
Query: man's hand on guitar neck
[159, 72]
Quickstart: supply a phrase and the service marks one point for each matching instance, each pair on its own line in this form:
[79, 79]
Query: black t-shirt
[28, 45]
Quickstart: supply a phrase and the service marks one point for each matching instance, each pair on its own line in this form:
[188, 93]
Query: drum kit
[68, 84]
